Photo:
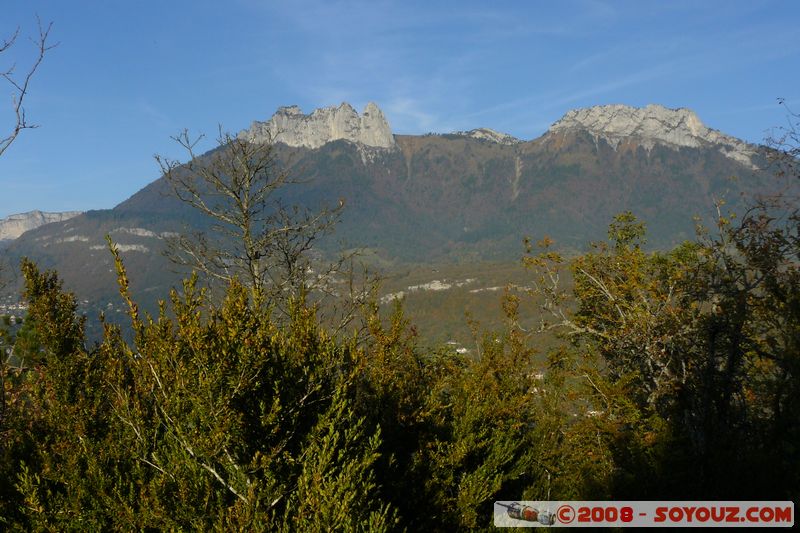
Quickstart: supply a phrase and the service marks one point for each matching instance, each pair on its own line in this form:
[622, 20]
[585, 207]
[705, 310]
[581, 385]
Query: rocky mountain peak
[289, 125]
[290, 110]
[487, 134]
[651, 125]
[13, 226]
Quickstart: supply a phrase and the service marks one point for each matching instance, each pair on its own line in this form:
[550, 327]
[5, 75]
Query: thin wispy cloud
[514, 67]
[160, 119]
[653, 73]
[366, 53]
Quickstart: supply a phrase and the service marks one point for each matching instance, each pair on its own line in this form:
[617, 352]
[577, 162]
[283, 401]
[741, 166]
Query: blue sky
[129, 74]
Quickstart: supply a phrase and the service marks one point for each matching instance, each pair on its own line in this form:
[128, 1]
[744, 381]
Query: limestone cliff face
[650, 125]
[490, 135]
[13, 226]
[290, 126]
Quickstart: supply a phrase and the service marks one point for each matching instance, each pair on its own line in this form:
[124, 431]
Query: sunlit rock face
[13, 226]
[651, 125]
[489, 135]
[289, 125]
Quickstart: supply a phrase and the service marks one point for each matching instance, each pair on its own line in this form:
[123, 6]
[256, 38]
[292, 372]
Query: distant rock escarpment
[289, 125]
[651, 125]
[471, 195]
[13, 226]
[490, 135]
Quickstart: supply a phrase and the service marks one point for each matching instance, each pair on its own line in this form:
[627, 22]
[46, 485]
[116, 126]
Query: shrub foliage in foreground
[676, 377]
[215, 417]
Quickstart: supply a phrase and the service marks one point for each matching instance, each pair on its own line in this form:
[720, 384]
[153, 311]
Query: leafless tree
[254, 236]
[20, 82]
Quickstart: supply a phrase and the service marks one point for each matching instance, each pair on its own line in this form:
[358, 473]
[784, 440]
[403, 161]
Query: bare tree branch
[20, 84]
[254, 236]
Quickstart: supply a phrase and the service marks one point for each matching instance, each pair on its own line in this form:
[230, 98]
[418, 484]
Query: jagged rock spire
[290, 126]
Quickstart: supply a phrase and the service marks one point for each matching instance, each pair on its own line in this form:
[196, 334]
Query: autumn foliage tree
[687, 360]
[667, 375]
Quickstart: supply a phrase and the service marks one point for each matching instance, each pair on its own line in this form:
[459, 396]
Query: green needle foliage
[674, 376]
[213, 418]
[668, 375]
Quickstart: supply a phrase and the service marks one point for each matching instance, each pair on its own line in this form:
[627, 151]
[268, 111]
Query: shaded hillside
[443, 198]
[438, 196]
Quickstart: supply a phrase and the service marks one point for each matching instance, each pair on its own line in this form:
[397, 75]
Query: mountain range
[466, 196]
